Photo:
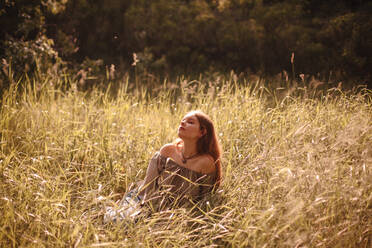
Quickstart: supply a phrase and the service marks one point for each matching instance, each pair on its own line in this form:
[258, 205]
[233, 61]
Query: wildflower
[292, 58]
[135, 59]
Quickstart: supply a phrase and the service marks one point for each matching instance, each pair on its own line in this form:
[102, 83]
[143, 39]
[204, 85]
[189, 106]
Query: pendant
[184, 160]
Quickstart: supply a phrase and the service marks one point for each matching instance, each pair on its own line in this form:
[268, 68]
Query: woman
[183, 171]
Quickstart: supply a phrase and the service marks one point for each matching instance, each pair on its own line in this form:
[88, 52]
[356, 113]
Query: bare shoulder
[167, 150]
[205, 164]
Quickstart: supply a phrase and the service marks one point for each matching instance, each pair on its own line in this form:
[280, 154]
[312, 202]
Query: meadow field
[296, 163]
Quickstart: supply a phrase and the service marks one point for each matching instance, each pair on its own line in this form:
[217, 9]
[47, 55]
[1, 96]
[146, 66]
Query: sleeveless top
[175, 184]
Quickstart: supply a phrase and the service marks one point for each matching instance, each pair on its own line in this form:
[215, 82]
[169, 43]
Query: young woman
[183, 171]
[188, 168]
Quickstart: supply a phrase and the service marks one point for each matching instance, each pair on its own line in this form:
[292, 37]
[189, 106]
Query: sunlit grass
[297, 169]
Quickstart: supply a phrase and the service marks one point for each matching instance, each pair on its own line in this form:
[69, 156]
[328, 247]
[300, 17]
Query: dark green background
[330, 39]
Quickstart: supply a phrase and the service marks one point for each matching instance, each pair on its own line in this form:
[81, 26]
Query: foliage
[296, 162]
[330, 39]
[25, 47]
[38, 54]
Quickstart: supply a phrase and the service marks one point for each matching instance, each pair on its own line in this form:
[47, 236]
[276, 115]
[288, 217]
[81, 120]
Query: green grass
[297, 168]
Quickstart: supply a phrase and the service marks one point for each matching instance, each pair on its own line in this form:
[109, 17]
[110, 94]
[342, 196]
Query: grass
[297, 167]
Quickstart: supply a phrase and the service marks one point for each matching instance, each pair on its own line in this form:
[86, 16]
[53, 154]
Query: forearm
[152, 173]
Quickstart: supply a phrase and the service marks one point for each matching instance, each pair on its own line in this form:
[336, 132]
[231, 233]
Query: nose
[182, 123]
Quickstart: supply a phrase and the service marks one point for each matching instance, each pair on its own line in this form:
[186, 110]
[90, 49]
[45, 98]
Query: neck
[189, 148]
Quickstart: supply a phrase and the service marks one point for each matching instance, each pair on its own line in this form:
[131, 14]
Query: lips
[181, 128]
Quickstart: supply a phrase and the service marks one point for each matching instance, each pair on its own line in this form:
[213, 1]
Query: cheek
[196, 128]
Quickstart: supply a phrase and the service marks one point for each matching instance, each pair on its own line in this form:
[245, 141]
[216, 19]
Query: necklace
[184, 159]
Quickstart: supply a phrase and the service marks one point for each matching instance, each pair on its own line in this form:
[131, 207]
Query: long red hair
[208, 143]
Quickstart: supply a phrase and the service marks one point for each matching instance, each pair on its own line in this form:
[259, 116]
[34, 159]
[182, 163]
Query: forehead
[190, 116]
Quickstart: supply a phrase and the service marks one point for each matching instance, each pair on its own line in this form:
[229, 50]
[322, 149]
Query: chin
[181, 136]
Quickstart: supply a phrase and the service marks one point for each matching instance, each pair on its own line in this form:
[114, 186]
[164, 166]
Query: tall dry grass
[297, 168]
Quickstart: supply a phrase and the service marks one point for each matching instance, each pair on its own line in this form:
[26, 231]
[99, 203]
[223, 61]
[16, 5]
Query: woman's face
[189, 127]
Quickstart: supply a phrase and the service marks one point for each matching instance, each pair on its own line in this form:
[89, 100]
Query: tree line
[331, 39]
